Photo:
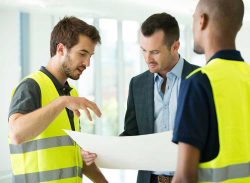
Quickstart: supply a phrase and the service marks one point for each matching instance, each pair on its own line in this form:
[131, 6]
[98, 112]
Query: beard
[68, 70]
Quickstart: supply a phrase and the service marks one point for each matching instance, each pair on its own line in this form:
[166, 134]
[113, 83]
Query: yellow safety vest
[52, 156]
[230, 82]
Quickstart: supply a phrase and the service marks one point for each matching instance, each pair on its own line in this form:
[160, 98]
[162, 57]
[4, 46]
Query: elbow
[15, 139]
[15, 134]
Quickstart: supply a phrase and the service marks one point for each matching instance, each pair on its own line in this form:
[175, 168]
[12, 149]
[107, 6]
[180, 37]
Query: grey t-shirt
[27, 96]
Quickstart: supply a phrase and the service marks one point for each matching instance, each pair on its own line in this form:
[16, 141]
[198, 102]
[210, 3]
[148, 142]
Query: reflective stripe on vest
[51, 156]
[48, 175]
[222, 174]
[41, 144]
[232, 107]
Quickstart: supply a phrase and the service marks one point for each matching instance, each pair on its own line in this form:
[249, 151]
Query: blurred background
[25, 35]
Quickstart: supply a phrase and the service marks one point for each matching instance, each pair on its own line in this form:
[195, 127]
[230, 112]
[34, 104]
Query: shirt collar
[176, 70]
[66, 88]
[228, 55]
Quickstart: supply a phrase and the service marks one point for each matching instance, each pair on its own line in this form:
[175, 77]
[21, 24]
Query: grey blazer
[139, 118]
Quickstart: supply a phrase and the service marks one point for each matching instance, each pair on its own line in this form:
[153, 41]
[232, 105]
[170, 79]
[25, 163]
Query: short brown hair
[164, 22]
[67, 32]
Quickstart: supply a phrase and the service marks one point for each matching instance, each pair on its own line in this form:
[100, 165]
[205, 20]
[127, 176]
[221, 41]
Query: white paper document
[153, 152]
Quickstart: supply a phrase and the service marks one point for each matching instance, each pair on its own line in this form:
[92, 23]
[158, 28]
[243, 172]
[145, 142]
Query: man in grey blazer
[152, 99]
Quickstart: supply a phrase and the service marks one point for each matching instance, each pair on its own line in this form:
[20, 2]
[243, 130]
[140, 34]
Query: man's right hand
[88, 157]
[23, 127]
[76, 103]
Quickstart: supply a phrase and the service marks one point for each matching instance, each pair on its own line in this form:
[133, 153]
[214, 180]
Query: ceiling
[120, 9]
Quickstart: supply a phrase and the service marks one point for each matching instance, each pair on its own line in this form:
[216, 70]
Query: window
[106, 82]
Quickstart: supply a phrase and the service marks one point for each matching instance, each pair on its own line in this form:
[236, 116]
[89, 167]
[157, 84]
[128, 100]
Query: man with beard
[213, 115]
[44, 104]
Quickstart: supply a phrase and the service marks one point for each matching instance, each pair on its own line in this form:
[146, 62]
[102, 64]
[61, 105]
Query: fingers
[88, 157]
[76, 103]
[77, 113]
[87, 113]
[96, 110]
[91, 105]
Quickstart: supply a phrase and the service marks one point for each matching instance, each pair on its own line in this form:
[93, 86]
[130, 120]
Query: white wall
[10, 73]
[40, 28]
[242, 41]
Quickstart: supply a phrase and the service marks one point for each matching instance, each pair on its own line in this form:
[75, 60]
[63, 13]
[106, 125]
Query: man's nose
[148, 57]
[86, 62]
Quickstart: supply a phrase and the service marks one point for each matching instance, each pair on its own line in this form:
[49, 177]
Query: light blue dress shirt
[165, 104]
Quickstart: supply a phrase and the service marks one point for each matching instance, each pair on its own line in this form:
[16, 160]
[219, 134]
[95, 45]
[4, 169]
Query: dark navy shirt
[196, 121]
[27, 96]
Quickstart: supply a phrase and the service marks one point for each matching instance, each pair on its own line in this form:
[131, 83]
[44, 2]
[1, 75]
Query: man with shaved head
[213, 116]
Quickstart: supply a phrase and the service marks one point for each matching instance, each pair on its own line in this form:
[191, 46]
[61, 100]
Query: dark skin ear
[203, 21]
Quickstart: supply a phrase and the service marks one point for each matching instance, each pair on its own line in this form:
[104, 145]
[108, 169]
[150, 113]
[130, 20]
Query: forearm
[187, 164]
[27, 126]
[94, 173]
[184, 179]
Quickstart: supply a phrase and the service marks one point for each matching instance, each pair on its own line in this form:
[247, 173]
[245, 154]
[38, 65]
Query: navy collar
[228, 55]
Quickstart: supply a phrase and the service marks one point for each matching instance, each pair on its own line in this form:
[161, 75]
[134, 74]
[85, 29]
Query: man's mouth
[81, 69]
[152, 64]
